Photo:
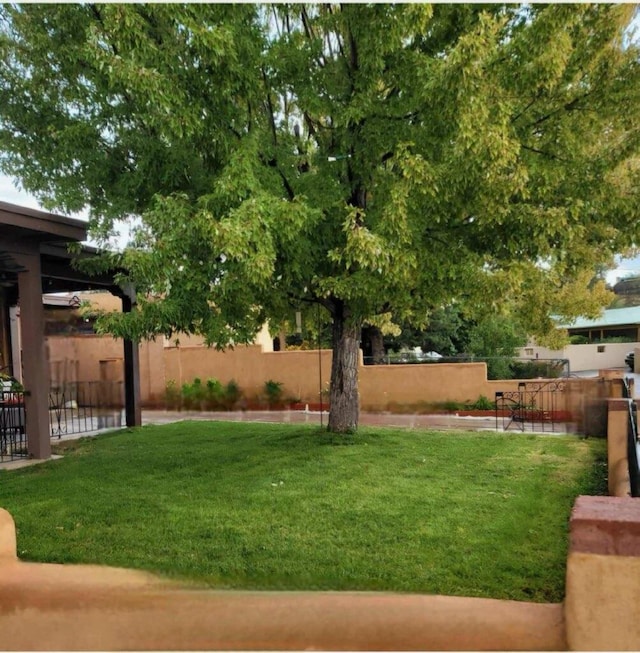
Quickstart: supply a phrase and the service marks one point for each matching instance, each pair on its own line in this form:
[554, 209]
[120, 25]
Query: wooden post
[34, 359]
[133, 412]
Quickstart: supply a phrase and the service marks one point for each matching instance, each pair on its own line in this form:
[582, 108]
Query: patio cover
[34, 260]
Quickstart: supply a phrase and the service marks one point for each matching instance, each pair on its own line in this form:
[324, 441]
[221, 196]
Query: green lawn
[273, 506]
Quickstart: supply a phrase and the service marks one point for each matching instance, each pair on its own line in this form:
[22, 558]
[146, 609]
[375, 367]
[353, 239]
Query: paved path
[440, 422]
[449, 421]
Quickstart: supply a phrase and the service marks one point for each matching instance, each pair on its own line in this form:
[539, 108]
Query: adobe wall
[603, 574]
[298, 371]
[384, 385]
[78, 358]
[95, 358]
[83, 607]
[90, 358]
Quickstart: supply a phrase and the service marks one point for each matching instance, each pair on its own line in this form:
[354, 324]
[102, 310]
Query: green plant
[483, 403]
[232, 394]
[615, 339]
[450, 405]
[579, 340]
[214, 394]
[273, 391]
[536, 369]
[172, 395]
[16, 386]
[193, 394]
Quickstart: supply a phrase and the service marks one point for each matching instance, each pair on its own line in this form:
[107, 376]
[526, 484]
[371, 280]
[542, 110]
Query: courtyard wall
[302, 373]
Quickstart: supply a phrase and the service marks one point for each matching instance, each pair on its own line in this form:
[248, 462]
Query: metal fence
[13, 439]
[633, 445]
[74, 408]
[498, 367]
[534, 406]
[85, 406]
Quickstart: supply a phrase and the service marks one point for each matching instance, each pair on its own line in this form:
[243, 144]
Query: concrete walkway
[440, 422]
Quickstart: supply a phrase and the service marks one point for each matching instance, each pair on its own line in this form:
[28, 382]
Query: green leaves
[390, 157]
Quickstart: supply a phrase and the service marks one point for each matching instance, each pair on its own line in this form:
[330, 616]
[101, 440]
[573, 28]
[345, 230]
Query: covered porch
[34, 259]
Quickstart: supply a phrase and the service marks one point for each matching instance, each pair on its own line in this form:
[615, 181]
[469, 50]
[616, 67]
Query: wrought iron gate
[82, 407]
[13, 438]
[534, 406]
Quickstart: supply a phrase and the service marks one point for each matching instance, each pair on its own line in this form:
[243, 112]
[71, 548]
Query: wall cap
[606, 526]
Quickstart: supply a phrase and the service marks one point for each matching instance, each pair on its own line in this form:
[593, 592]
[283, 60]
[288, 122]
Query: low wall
[602, 601]
[381, 386]
[619, 482]
[77, 607]
[302, 373]
[299, 371]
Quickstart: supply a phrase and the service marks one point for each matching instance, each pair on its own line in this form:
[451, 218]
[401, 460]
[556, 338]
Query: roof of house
[610, 317]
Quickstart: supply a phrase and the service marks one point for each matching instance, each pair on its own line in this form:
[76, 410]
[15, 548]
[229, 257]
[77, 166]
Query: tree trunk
[373, 345]
[343, 396]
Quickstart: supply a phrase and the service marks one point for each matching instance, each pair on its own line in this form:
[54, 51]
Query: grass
[272, 506]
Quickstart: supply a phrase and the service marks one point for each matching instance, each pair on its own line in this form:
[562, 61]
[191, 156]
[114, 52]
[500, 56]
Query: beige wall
[83, 607]
[93, 358]
[602, 602]
[90, 358]
[584, 357]
[78, 358]
[298, 371]
[384, 385]
[263, 339]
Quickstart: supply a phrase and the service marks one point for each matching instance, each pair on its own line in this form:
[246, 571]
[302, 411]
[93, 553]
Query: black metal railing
[498, 367]
[85, 406]
[13, 438]
[534, 406]
[632, 441]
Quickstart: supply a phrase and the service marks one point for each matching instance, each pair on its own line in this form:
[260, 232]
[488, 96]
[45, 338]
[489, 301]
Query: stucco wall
[298, 371]
[603, 572]
[384, 385]
[83, 607]
[93, 358]
[381, 386]
[584, 357]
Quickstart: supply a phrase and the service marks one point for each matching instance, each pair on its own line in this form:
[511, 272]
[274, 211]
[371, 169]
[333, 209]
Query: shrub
[232, 394]
[193, 394]
[536, 369]
[172, 395]
[273, 392]
[579, 340]
[499, 368]
[214, 394]
[483, 403]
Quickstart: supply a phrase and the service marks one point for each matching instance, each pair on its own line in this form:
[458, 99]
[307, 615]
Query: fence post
[602, 601]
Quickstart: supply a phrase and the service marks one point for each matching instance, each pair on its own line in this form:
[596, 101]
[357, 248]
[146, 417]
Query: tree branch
[541, 152]
[327, 302]
[272, 163]
[306, 23]
[272, 120]
[569, 106]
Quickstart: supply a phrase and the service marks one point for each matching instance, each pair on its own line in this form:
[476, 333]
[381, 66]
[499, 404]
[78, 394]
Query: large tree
[375, 159]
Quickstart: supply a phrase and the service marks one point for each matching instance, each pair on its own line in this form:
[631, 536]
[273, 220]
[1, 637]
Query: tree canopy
[376, 159]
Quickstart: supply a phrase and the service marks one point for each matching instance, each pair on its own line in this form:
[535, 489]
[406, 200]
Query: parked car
[630, 360]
